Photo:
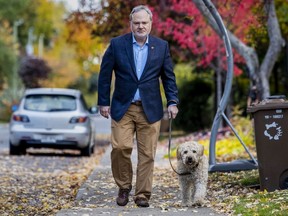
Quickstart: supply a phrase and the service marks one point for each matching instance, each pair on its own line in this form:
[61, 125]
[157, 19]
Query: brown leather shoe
[123, 197]
[142, 202]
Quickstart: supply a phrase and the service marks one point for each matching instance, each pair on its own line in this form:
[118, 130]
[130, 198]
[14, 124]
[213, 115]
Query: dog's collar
[188, 173]
[183, 174]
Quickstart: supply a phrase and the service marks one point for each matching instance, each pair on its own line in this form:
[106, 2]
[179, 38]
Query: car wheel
[87, 151]
[93, 145]
[17, 150]
[92, 149]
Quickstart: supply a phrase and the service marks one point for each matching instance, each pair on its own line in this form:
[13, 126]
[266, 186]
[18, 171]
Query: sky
[70, 4]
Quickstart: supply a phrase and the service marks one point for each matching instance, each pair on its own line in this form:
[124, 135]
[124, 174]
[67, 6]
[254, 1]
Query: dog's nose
[189, 159]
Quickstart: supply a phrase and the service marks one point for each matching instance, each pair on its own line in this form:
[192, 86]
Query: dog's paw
[186, 204]
[198, 203]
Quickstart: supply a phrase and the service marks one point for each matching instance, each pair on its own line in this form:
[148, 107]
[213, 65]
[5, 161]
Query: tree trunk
[275, 45]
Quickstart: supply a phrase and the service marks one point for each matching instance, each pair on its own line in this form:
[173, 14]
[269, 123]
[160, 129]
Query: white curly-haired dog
[192, 167]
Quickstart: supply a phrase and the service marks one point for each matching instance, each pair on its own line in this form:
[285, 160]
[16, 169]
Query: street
[4, 137]
[45, 180]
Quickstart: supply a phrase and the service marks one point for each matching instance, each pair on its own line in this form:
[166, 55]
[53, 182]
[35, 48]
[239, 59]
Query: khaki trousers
[134, 122]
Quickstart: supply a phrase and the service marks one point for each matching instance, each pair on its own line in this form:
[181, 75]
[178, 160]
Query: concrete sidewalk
[97, 195]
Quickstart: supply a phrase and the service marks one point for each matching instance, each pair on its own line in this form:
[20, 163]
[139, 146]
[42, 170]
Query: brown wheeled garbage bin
[271, 137]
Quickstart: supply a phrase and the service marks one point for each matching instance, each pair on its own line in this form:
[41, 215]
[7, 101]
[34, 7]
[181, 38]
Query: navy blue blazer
[119, 58]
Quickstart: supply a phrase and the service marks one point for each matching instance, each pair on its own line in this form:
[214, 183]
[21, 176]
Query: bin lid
[272, 102]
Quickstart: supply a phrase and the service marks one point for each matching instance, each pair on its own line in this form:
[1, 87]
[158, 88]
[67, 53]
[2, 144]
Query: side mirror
[14, 107]
[93, 110]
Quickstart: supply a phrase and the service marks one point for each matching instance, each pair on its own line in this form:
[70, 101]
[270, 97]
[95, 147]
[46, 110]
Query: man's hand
[105, 111]
[172, 111]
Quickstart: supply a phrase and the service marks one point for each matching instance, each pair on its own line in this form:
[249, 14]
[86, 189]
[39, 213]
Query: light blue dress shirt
[140, 59]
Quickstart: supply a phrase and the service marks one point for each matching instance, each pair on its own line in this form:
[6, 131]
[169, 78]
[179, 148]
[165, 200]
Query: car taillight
[21, 118]
[78, 119]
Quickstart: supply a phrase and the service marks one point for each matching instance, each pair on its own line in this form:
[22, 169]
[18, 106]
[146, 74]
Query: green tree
[45, 20]
[12, 14]
[14, 11]
[10, 84]
[8, 54]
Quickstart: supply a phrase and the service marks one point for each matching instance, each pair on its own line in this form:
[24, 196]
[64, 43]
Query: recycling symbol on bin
[273, 131]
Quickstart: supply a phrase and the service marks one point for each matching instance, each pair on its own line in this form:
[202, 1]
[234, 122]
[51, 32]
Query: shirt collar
[134, 40]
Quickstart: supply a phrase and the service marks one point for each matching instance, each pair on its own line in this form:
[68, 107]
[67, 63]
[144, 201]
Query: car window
[50, 103]
[83, 102]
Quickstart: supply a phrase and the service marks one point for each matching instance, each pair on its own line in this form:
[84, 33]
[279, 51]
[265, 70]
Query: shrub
[194, 108]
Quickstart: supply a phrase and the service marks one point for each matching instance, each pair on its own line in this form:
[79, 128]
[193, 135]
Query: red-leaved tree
[185, 24]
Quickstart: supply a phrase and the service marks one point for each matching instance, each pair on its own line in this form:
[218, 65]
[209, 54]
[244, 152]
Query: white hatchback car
[52, 118]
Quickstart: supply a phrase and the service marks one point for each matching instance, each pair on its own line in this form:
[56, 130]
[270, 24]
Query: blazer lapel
[129, 51]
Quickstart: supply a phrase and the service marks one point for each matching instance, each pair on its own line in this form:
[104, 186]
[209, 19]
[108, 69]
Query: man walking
[138, 60]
